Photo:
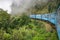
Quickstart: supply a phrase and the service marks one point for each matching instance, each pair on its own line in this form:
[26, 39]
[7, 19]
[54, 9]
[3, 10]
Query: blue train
[53, 17]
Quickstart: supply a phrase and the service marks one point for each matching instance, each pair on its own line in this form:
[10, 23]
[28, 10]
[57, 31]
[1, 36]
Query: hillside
[49, 7]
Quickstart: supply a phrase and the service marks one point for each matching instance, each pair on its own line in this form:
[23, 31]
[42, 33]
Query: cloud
[5, 4]
[20, 6]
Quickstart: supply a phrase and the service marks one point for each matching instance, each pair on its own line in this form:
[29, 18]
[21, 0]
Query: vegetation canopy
[23, 28]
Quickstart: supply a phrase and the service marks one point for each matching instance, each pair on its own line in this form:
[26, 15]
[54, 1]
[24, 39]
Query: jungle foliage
[23, 28]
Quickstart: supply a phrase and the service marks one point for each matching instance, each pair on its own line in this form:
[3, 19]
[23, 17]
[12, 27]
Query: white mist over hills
[20, 6]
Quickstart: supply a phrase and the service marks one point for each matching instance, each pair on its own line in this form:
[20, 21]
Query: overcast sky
[5, 4]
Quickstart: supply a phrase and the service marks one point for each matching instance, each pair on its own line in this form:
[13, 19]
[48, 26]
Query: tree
[58, 1]
[4, 19]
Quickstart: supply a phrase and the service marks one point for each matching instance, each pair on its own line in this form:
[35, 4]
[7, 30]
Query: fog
[5, 5]
[20, 6]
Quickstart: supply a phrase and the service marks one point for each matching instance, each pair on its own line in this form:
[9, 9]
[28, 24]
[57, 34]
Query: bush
[23, 28]
[19, 21]
[7, 36]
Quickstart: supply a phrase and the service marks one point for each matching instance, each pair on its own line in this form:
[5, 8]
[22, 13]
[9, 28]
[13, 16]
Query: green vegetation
[23, 28]
[50, 6]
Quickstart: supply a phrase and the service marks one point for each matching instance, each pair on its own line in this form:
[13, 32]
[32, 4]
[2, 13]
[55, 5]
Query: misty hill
[50, 6]
[34, 6]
